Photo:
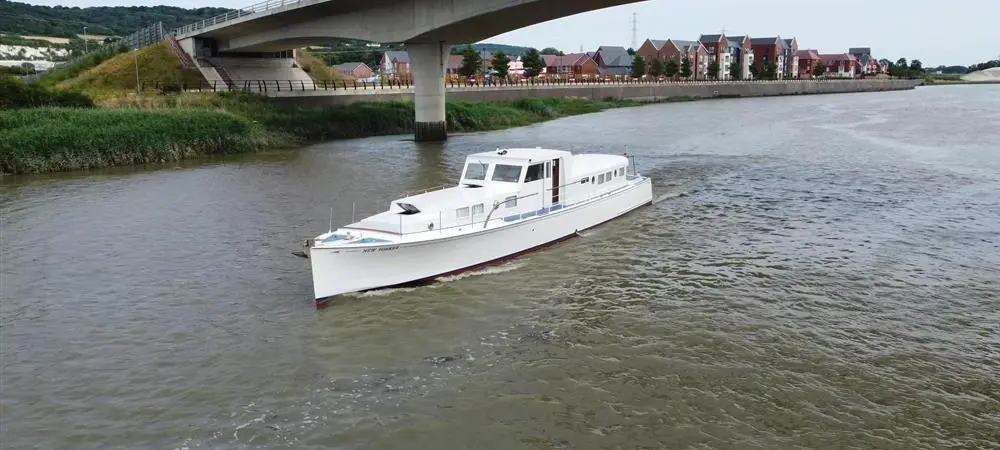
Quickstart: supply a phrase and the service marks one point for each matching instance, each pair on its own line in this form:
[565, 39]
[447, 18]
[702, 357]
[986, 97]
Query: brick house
[676, 50]
[741, 51]
[717, 46]
[841, 65]
[355, 69]
[652, 49]
[777, 51]
[791, 49]
[395, 62]
[570, 64]
[807, 59]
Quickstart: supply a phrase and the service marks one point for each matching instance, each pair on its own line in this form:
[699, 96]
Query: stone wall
[643, 92]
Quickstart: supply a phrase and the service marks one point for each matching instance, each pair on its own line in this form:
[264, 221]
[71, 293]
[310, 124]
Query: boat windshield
[508, 173]
[475, 171]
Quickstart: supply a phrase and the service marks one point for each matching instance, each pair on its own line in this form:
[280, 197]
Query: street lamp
[85, 39]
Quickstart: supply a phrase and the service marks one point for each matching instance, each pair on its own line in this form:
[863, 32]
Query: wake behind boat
[506, 203]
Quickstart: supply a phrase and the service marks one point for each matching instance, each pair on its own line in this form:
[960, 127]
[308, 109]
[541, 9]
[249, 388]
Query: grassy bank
[143, 130]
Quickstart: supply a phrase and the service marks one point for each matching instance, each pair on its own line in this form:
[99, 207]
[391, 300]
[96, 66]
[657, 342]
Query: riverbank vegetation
[164, 128]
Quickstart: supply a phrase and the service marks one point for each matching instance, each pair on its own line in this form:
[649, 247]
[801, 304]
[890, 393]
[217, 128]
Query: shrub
[16, 94]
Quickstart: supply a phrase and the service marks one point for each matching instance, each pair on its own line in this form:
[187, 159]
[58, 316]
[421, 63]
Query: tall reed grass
[138, 131]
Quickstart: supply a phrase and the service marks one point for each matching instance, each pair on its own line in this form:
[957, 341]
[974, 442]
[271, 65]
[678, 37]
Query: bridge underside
[427, 27]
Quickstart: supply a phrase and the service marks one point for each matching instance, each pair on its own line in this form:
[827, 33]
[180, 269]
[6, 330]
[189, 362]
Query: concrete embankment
[642, 92]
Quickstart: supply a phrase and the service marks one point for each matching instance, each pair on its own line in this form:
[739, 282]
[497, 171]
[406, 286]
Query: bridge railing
[232, 15]
[261, 86]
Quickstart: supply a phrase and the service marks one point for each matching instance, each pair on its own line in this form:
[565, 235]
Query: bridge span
[425, 27]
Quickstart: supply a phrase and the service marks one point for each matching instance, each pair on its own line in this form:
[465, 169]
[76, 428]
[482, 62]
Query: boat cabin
[504, 185]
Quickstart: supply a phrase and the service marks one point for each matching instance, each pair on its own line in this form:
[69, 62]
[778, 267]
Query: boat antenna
[330, 230]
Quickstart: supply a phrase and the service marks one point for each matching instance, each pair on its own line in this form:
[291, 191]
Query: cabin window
[478, 209]
[621, 172]
[600, 179]
[462, 212]
[510, 201]
[475, 171]
[607, 176]
[507, 173]
[584, 181]
[591, 179]
[534, 173]
[548, 170]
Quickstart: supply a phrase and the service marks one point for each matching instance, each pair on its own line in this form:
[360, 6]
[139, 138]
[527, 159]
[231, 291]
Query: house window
[511, 201]
[478, 209]
[600, 179]
[462, 212]
[534, 173]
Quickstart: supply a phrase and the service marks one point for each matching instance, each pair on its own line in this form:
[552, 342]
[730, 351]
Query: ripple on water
[830, 278]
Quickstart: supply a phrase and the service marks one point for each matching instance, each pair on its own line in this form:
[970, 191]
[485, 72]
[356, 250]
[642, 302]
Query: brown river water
[819, 272]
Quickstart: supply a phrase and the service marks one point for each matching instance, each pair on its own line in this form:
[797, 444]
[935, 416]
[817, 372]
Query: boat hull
[339, 271]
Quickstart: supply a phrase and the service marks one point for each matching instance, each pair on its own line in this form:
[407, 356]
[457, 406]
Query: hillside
[60, 21]
[493, 48]
[155, 63]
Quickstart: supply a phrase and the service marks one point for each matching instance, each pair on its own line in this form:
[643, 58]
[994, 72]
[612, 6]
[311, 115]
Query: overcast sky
[935, 31]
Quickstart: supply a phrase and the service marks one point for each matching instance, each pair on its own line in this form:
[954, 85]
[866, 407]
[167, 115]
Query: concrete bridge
[426, 27]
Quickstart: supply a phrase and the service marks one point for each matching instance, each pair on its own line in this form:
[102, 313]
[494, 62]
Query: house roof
[710, 38]
[807, 54]
[455, 61]
[765, 41]
[398, 55]
[687, 46]
[860, 51]
[613, 56]
[736, 39]
[658, 43]
[616, 70]
[830, 58]
[349, 66]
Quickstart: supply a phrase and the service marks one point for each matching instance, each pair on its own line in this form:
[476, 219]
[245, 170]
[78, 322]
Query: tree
[916, 68]
[472, 62]
[671, 68]
[638, 67]
[686, 67]
[769, 71]
[713, 70]
[501, 64]
[900, 68]
[819, 69]
[736, 71]
[551, 51]
[656, 67]
[755, 71]
[533, 63]
[630, 51]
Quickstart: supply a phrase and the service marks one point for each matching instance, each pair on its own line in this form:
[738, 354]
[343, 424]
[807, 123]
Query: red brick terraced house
[575, 64]
[776, 50]
[717, 46]
[672, 49]
[355, 69]
[808, 59]
[840, 65]
[652, 49]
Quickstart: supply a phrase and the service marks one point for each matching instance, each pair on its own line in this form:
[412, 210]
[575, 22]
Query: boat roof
[533, 154]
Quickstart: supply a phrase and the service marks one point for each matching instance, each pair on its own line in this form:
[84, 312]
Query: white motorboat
[507, 202]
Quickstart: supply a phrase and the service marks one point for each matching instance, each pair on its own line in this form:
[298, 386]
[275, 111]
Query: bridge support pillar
[427, 64]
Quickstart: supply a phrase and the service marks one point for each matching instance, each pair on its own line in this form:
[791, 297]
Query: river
[821, 272]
